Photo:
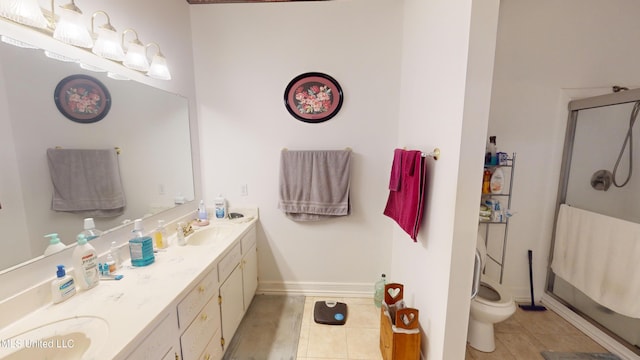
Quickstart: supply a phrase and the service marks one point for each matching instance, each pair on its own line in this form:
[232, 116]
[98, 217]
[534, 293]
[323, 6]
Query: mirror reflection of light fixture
[108, 42]
[136, 56]
[158, 68]
[59, 57]
[117, 76]
[18, 43]
[91, 68]
[26, 12]
[69, 28]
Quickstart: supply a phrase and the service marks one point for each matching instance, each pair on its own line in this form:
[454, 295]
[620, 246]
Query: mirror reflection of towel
[86, 181]
[314, 185]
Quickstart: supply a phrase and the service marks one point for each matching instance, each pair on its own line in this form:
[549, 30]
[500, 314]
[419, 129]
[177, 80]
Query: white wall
[447, 63]
[245, 55]
[546, 50]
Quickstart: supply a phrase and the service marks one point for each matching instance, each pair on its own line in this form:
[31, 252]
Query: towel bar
[117, 148]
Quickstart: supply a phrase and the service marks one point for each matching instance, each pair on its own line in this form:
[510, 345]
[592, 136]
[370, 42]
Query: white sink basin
[79, 337]
[210, 234]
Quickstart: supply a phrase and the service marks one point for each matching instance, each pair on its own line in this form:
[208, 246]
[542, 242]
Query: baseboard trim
[589, 329]
[316, 289]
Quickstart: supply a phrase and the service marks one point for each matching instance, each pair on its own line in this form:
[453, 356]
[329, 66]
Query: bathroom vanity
[186, 305]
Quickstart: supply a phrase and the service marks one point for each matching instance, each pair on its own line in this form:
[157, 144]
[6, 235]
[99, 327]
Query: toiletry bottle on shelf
[493, 150]
[220, 207]
[160, 238]
[486, 181]
[90, 232]
[140, 247]
[85, 264]
[497, 181]
[54, 244]
[63, 286]
[378, 294]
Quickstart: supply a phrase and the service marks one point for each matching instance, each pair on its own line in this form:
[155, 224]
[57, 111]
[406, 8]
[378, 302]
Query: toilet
[492, 305]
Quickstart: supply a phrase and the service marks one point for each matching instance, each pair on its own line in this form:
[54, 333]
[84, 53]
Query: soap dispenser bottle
[140, 247]
[85, 264]
[90, 232]
[63, 286]
[55, 244]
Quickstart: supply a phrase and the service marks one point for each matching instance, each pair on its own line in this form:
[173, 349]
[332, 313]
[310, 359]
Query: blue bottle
[140, 247]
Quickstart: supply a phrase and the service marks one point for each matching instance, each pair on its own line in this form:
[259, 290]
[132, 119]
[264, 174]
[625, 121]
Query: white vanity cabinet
[161, 343]
[238, 275]
[199, 320]
[249, 265]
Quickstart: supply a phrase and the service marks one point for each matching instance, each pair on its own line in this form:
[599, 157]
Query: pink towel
[396, 169]
[406, 205]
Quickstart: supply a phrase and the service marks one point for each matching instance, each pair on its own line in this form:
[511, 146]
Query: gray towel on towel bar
[314, 185]
[86, 181]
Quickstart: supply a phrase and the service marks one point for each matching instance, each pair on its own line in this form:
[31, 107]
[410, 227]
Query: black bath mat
[550, 355]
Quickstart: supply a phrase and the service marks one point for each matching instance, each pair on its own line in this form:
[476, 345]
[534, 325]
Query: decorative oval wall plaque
[313, 97]
[82, 98]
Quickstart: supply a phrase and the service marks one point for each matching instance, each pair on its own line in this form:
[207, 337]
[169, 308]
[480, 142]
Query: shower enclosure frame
[616, 98]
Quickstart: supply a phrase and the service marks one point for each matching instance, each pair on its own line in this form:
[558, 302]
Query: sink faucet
[183, 230]
[186, 228]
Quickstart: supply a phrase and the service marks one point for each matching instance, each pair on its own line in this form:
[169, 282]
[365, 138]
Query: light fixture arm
[135, 41]
[106, 26]
[146, 48]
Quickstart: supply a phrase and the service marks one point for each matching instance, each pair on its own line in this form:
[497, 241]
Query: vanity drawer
[248, 240]
[229, 262]
[195, 300]
[205, 328]
[213, 351]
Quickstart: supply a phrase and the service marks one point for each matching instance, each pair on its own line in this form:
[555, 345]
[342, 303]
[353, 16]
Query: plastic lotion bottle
[85, 264]
[63, 286]
[378, 295]
[221, 207]
[497, 181]
[140, 247]
[160, 236]
[54, 244]
[90, 232]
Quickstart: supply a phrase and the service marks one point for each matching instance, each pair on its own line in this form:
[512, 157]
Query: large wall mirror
[150, 126]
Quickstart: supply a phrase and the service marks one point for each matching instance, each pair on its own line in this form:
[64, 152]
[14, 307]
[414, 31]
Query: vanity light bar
[69, 30]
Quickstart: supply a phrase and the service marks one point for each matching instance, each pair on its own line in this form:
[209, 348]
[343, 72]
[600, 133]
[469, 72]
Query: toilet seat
[505, 299]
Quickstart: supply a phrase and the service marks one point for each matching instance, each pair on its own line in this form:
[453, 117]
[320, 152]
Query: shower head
[601, 180]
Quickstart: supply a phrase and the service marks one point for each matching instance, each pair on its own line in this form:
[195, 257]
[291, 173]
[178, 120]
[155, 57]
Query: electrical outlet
[244, 190]
[160, 189]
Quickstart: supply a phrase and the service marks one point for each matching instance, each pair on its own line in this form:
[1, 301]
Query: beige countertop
[131, 306]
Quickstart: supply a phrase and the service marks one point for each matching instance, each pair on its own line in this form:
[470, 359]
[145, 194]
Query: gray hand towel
[314, 185]
[86, 181]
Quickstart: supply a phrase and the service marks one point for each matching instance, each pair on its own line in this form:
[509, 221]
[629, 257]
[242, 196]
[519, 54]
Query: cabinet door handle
[201, 288]
[203, 317]
[207, 357]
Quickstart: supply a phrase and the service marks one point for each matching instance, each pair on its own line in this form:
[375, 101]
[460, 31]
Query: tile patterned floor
[524, 335]
[521, 337]
[357, 339]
